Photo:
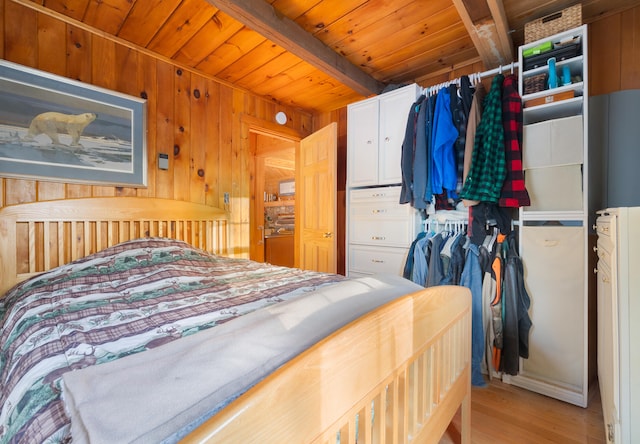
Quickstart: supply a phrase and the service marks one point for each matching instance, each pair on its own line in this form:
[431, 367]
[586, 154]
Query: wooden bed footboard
[397, 375]
[36, 237]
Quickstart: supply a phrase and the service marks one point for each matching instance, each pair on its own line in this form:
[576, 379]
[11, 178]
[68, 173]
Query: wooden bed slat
[85, 226]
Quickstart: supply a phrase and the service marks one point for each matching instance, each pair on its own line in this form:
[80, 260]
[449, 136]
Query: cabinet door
[394, 110]
[362, 143]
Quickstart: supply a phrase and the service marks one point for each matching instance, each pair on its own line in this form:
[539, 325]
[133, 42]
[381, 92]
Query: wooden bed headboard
[38, 236]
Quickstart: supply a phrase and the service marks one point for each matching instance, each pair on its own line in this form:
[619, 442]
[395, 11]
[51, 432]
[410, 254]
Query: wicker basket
[535, 83]
[551, 24]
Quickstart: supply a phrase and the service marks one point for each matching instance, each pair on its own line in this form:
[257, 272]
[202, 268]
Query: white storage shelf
[554, 231]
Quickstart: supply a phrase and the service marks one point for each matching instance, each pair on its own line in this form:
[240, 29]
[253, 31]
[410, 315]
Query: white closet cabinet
[619, 322]
[379, 229]
[376, 128]
[554, 229]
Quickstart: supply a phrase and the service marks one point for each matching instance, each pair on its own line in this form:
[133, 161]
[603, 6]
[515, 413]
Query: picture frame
[58, 129]
[287, 187]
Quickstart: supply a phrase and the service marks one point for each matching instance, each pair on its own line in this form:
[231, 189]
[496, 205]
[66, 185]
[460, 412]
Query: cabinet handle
[386, 139]
[378, 211]
[377, 261]
[378, 238]
[595, 271]
[595, 227]
[369, 142]
[327, 235]
[595, 249]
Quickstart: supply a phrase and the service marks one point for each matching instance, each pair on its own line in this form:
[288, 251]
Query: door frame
[250, 126]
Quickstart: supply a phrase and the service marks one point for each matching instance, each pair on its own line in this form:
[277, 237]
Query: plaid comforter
[123, 300]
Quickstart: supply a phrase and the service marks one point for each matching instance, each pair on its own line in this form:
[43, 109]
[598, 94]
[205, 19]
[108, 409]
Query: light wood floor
[503, 413]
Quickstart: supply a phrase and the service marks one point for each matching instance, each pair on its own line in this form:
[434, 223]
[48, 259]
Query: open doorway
[274, 188]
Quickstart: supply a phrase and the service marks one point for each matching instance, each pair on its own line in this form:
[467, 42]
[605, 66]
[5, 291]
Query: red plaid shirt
[513, 193]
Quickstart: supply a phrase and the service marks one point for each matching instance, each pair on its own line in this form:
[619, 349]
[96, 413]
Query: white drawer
[366, 259]
[557, 188]
[381, 209]
[382, 231]
[604, 227]
[604, 250]
[378, 194]
[553, 143]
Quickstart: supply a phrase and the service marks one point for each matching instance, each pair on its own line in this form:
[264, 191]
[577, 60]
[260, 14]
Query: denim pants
[472, 279]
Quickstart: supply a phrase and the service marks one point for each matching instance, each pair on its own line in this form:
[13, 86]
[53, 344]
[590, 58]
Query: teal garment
[488, 164]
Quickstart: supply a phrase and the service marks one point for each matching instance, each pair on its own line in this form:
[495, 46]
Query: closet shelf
[554, 110]
[280, 203]
[575, 66]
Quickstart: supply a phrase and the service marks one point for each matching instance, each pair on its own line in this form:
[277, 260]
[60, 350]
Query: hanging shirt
[488, 169]
[408, 153]
[444, 135]
[475, 115]
[513, 193]
[461, 100]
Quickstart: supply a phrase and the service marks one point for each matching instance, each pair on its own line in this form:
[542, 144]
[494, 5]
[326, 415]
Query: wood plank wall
[194, 119]
[614, 53]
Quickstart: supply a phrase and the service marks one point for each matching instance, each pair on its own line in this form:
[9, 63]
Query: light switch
[163, 161]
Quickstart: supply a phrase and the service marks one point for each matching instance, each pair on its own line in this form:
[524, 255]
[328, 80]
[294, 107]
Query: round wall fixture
[281, 118]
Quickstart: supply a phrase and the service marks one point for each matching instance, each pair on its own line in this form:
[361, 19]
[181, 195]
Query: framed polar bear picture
[54, 128]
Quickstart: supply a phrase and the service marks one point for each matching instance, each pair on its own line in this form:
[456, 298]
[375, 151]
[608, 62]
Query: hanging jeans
[472, 279]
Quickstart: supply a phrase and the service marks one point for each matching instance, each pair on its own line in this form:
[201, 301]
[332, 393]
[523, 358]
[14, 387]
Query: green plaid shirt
[488, 165]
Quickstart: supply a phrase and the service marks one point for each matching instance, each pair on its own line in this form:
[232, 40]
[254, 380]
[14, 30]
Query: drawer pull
[369, 142]
[377, 261]
[378, 211]
[378, 238]
[595, 271]
[595, 249]
[378, 195]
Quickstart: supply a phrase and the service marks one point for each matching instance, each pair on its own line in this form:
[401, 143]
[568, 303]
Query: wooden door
[257, 239]
[316, 192]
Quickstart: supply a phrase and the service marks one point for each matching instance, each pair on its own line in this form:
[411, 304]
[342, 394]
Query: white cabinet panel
[394, 110]
[619, 322]
[362, 140]
[375, 133]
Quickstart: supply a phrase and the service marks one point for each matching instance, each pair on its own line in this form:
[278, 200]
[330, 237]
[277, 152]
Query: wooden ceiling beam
[262, 18]
[489, 32]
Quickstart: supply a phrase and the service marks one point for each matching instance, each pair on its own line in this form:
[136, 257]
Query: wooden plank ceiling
[319, 55]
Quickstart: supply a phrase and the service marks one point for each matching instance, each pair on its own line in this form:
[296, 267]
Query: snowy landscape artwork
[53, 128]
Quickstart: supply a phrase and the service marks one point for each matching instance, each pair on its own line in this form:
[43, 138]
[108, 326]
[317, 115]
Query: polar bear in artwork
[52, 124]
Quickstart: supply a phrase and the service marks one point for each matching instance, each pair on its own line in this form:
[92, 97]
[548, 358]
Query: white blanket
[162, 394]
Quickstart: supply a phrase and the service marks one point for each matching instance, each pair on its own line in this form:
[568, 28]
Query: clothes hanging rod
[476, 75]
[499, 69]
